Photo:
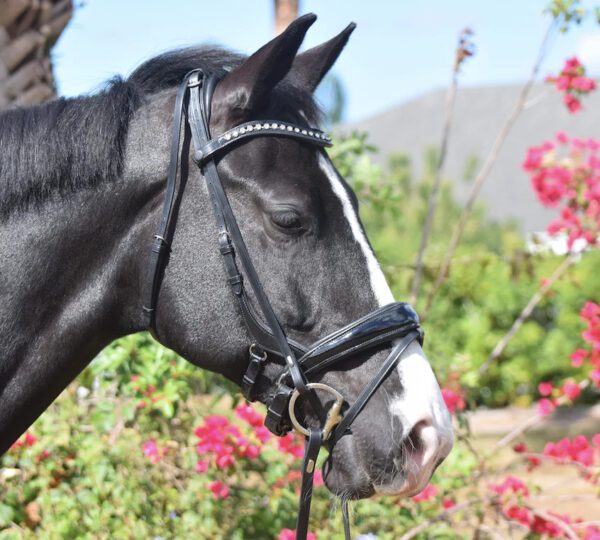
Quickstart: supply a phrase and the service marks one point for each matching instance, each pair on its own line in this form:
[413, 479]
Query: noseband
[396, 323]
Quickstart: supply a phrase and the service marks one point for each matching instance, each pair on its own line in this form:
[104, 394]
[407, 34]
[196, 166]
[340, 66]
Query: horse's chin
[357, 485]
[343, 474]
[345, 485]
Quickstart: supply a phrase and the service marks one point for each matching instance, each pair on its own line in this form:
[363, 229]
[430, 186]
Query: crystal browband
[265, 127]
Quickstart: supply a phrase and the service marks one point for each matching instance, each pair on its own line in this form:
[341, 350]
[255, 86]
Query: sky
[400, 49]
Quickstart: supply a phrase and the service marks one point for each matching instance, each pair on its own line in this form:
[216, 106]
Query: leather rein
[396, 323]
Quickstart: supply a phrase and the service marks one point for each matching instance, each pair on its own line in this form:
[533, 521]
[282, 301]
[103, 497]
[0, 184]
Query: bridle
[395, 323]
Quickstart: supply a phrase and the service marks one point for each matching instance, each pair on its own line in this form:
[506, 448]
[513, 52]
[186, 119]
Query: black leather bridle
[396, 323]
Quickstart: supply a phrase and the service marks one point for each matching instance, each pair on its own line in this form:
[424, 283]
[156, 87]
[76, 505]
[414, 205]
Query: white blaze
[381, 289]
[421, 399]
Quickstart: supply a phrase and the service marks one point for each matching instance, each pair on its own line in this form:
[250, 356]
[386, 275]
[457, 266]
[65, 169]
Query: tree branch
[441, 517]
[566, 528]
[488, 164]
[433, 195]
[528, 310]
[528, 424]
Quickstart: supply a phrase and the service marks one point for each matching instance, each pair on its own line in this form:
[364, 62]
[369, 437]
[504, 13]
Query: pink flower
[453, 400]
[510, 484]
[430, 492]
[573, 185]
[578, 450]
[150, 390]
[571, 390]
[289, 534]
[572, 83]
[533, 158]
[219, 489]
[596, 440]
[578, 356]
[202, 466]
[249, 415]
[590, 312]
[288, 445]
[572, 103]
[545, 407]
[262, 434]
[545, 388]
[151, 451]
[562, 83]
[592, 533]
[225, 461]
[318, 478]
[448, 503]
[583, 84]
[519, 514]
[572, 65]
[520, 448]
[222, 441]
[30, 439]
[543, 527]
[42, 456]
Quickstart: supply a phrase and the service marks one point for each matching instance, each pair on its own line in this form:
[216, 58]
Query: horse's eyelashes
[287, 219]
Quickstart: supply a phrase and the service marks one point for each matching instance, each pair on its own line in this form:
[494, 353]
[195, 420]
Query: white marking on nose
[421, 397]
[421, 404]
[380, 287]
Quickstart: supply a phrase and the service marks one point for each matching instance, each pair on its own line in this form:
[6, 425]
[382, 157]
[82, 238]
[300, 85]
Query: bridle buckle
[334, 416]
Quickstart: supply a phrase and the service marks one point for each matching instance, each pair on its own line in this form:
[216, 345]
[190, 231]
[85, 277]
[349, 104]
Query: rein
[396, 323]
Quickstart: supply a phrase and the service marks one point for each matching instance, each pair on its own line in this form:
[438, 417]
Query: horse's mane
[74, 143]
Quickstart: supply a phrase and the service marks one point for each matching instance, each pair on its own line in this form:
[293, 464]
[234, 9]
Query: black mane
[74, 143]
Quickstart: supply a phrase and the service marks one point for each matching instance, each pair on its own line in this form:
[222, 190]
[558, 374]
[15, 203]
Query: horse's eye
[287, 219]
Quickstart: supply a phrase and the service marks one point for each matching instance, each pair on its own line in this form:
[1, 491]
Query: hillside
[479, 114]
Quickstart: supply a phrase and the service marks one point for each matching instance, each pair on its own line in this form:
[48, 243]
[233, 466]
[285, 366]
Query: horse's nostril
[419, 440]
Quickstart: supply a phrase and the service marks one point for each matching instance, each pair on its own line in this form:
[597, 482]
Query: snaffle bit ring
[333, 414]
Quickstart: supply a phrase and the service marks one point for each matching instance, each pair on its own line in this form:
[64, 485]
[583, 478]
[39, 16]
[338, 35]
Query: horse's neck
[69, 274]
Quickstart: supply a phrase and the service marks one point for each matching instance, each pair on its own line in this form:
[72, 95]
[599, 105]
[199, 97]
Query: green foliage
[566, 13]
[492, 278]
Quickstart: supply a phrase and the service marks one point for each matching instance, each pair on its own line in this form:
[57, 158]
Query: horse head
[299, 220]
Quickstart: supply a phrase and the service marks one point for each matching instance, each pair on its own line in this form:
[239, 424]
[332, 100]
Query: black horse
[81, 187]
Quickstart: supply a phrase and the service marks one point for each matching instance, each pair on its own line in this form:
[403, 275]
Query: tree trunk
[285, 12]
[28, 30]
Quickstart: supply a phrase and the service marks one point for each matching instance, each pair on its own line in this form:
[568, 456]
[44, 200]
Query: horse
[82, 184]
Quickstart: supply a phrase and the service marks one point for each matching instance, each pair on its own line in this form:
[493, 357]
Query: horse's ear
[311, 66]
[246, 88]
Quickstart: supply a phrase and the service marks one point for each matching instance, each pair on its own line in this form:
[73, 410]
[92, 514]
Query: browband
[254, 129]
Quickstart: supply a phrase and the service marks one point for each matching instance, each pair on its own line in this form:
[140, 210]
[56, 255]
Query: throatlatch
[396, 323]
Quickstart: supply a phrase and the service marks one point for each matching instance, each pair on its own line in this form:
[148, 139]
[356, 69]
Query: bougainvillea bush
[573, 84]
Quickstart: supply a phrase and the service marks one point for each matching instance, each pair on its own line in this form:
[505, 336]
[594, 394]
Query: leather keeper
[225, 247]
[252, 373]
[277, 420]
[237, 283]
